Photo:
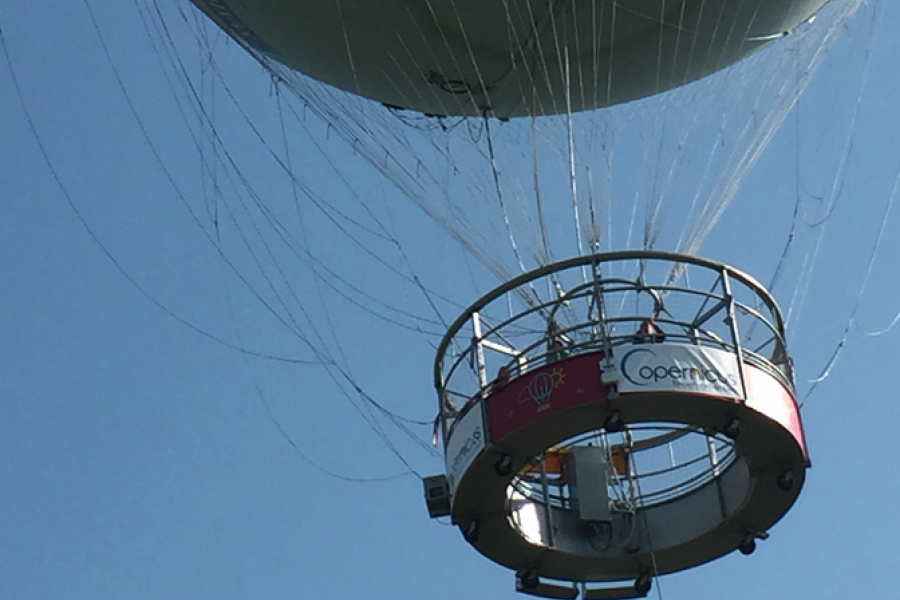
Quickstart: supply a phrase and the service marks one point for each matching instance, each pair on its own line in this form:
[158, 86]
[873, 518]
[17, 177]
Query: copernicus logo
[641, 367]
[472, 444]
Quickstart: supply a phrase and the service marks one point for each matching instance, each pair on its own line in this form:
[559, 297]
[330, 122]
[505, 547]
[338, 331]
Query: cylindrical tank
[506, 59]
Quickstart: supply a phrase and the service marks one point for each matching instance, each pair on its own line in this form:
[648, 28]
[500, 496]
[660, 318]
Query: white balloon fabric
[503, 58]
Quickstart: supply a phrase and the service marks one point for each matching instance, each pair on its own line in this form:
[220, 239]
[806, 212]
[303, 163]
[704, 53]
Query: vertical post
[735, 336]
[481, 367]
[545, 488]
[713, 455]
[633, 485]
[442, 415]
[601, 318]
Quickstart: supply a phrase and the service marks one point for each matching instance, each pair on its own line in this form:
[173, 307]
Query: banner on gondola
[467, 440]
[677, 368]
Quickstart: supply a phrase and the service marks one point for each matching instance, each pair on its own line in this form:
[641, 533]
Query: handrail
[594, 260]
[523, 334]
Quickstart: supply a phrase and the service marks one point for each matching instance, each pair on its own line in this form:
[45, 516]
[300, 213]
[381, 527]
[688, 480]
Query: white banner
[677, 368]
[466, 440]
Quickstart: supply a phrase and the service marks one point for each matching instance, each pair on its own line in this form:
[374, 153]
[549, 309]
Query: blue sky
[144, 457]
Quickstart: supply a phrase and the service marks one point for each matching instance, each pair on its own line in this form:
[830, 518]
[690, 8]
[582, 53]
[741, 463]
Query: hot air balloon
[603, 420]
[158, 458]
[637, 425]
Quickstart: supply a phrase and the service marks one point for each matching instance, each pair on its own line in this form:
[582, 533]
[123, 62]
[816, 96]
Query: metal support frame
[591, 319]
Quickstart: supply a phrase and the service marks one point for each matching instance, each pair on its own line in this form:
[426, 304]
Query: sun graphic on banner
[559, 377]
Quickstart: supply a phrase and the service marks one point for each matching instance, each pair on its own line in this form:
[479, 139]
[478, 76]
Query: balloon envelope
[534, 57]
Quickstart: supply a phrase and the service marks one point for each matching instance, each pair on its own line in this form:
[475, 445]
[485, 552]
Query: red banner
[550, 389]
[769, 396]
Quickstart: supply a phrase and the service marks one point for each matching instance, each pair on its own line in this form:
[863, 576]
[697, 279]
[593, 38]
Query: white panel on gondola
[467, 439]
[677, 368]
